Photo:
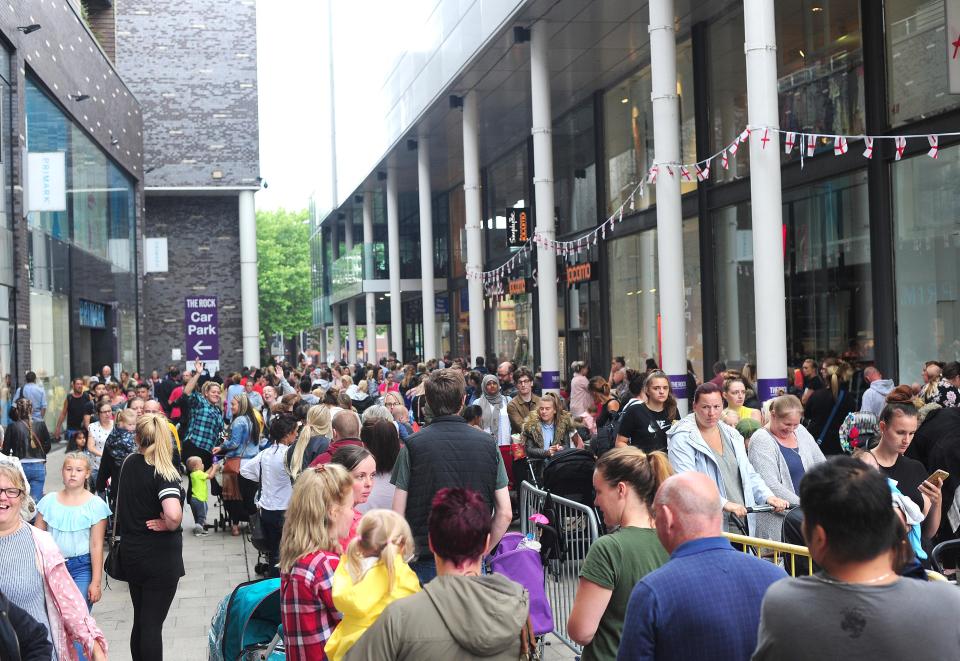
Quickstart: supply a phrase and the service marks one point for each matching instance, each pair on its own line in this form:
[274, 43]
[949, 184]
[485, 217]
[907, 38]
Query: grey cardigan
[768, 461]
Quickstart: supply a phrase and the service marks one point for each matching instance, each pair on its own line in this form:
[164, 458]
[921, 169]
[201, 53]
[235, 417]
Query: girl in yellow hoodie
[372, 573]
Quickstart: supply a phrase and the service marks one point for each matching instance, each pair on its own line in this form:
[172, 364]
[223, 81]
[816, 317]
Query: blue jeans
[82, 573]
[36, 472]
[426, 570]
[199, 509]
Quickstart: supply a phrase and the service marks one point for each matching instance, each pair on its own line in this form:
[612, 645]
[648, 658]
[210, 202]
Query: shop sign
[93, 315]
[517, 286]
[583, 272]
[518, 227]
[202, 330]
[953, 45]
[46, 181]
[441, 305]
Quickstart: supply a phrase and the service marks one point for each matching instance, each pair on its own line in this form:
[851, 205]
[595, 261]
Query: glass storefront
[575, 170]
[926, 258]
[827, 274]
[820, 69]
[506, 187]
[7, 322]
[917, 84]
[635, 301]
[628, 131]
[84, 255]
[513, 329]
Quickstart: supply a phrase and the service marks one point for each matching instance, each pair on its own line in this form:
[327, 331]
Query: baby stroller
[246, 626]
[523, 565]
[570, 474]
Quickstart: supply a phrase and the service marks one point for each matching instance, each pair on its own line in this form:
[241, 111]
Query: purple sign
[678, 383]
[770, 388]
[201, 328]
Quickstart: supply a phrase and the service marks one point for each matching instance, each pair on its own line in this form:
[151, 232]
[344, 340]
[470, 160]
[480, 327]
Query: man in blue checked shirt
[705, 602]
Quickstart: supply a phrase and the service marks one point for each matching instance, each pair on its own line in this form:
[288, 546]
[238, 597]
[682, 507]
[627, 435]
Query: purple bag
[523, 566]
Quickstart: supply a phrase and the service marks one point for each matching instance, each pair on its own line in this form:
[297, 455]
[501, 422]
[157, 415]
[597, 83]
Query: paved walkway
[215, 564]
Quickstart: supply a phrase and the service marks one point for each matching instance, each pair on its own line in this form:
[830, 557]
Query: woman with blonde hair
[373, 572]
[242, 445]
[314, 438]
[149, 511]
[34, 575]
[782, 452]
[827, 407]
[320, 512]
[626, 480]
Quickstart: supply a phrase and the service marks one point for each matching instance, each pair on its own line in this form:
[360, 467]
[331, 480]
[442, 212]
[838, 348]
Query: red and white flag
[724, 160]
[811, 145]
[703, 173]
[685, 173]
[868, 152]
[934, 141]
[901, 146]
[652, 175]
[789, 142]
[745, 135]
[839, 145]
[734, 146]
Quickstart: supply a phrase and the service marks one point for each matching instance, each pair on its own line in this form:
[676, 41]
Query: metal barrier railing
[780, 553]
[565, 540]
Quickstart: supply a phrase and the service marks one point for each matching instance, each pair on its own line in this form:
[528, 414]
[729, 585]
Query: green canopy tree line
[283, 272]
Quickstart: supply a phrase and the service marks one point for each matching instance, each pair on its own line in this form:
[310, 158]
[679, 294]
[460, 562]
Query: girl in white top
[98, 432]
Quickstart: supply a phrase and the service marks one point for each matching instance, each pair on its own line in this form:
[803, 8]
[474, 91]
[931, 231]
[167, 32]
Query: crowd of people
[380, 489]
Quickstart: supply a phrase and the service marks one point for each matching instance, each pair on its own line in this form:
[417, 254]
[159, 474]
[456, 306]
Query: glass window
[635, 312]
[917, 84]
[827, 270]
[575, 170]
[50, 347]
[458, 233]
[926, 258]
[507, 187]
[628, 131]
[513, 329]
[820, 69]
[820, 66]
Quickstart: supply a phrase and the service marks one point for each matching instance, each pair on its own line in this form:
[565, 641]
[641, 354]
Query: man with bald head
[705, 602]
[875, 396]
[505, 375]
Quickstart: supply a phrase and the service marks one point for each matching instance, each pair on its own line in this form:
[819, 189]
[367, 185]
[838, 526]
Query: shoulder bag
[111, 563]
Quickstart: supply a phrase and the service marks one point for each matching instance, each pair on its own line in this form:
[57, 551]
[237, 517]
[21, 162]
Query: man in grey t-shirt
[857, 607]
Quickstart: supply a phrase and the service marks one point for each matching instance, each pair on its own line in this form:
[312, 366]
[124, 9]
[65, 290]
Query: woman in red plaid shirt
[319, 514]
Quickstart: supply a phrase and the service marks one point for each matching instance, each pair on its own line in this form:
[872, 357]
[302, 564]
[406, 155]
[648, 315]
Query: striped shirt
[19, 579]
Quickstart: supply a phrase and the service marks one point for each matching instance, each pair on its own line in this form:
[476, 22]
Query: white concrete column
[352, 352]
[473, 209]
[766, 204]
[543, 197]
[393, 246]
[426, 248]
[335, 309]
[648, 296]
[666, 145]
[371, 302]
[249, 292]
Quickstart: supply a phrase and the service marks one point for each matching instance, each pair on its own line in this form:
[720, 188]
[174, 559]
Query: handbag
[257, 535]
[112, 565]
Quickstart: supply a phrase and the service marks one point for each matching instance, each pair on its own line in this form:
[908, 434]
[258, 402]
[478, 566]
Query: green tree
[283, 272]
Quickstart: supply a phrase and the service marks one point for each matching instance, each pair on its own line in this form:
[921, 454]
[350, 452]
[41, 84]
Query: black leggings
[151, 603]
[272, 522]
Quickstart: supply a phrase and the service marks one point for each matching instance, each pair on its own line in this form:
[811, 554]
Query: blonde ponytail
[382, 534]
[155, 441]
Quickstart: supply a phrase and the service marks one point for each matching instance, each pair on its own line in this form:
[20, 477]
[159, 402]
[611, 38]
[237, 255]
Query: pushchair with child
[246, 626]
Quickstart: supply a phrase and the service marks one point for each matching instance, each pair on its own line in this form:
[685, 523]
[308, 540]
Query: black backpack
[606, 437]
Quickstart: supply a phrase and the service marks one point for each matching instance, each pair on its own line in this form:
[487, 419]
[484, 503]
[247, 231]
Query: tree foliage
[283, 270]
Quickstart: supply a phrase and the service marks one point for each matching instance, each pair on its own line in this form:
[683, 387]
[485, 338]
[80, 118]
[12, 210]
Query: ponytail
[643, 472]
[383, 534]
[155, 441]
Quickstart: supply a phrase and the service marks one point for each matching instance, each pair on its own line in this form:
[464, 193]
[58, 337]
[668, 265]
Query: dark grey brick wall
[204, 256]
[66, 59]
[193, 65]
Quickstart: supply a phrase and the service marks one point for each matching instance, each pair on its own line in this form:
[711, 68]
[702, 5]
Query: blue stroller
[246, 626]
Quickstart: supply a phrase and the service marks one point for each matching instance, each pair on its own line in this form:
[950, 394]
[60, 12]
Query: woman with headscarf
[495, 420]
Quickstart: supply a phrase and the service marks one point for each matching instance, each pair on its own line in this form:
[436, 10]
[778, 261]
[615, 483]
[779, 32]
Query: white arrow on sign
[200, 347]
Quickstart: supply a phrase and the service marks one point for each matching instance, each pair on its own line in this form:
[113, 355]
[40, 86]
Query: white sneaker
[198, 530]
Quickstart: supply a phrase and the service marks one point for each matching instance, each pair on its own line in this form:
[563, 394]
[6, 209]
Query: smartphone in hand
[938, 477]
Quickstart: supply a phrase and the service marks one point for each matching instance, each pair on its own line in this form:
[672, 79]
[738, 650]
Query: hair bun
[902, 394]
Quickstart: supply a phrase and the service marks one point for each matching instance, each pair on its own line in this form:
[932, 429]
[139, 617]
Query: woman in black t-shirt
[644, 424]
[149, 511]
[898, 424]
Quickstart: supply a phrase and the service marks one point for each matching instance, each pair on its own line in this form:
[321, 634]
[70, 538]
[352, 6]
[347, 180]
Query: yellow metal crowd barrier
[784, 555]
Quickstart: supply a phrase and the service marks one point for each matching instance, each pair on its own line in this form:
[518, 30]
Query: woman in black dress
[149, 511]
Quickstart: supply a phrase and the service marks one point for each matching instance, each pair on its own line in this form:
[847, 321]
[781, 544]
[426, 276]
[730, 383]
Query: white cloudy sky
[289, 34]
